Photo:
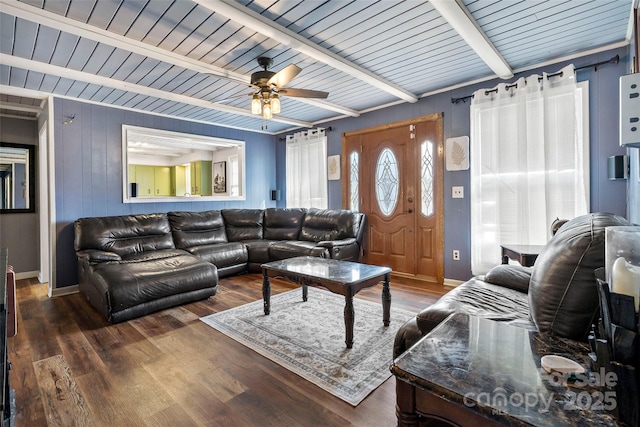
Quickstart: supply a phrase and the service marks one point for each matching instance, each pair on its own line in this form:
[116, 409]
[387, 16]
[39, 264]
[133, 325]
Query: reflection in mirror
[172, 166]
[17, 178]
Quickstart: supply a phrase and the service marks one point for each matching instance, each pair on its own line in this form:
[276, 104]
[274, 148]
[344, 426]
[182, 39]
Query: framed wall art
[457, 153]
[333, 167]
[219, 173]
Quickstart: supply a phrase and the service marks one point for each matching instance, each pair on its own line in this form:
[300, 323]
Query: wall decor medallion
[333, 167]
[457, 153]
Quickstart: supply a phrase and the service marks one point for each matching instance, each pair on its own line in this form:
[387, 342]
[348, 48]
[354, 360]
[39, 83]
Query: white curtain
[529, 162]
[307, 169]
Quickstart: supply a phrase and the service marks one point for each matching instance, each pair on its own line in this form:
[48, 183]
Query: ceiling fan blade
[285, 75]
[302, 93]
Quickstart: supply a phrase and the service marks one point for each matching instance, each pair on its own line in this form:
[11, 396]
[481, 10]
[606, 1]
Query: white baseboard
[452, 283]
[67, 290]
[27, 275]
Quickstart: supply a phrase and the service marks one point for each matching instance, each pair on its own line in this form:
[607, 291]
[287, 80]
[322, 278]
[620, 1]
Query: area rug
[308, 338]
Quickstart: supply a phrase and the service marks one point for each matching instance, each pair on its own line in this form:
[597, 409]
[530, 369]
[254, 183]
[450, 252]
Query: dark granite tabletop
[328, 269]
[495, 369]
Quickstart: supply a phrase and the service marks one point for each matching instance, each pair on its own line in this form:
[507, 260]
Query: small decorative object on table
[615, 342]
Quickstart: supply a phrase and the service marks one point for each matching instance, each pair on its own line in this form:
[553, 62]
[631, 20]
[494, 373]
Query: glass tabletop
[330, 269]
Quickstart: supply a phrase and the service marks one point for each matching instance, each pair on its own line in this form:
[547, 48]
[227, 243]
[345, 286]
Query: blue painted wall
[19, 231]
[606, 195]
[88, 171]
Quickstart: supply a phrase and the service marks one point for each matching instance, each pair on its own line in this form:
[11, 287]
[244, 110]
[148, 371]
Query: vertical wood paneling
[89, 170]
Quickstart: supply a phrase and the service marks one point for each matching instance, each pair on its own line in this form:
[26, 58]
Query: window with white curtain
[529, 162]
[306, 159]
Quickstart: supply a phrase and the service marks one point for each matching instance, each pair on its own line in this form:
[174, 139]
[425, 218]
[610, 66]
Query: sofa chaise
[132, 265]
[558, 294]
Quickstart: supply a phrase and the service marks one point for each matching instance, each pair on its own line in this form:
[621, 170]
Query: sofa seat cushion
[476, 298]
[222, 254]
[293, 248]
[258, 250]
[155, 255]
[127, 284]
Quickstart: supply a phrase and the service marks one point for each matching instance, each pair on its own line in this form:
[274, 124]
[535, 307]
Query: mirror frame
[31, 149]
[207, 142]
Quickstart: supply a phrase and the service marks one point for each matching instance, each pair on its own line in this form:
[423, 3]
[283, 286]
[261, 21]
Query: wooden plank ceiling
[192, 59]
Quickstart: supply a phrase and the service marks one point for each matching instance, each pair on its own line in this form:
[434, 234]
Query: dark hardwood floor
[69, 367]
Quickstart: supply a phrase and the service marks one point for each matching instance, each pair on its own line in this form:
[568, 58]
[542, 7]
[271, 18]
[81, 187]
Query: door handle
[410, 200]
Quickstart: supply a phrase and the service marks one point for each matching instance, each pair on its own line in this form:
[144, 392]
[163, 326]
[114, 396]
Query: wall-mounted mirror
[17, 178]
[171, 166]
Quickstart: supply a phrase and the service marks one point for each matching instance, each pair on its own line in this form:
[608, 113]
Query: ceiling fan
[270, 86]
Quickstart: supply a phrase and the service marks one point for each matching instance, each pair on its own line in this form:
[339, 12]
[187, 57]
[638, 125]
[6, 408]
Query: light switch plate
[457, 192]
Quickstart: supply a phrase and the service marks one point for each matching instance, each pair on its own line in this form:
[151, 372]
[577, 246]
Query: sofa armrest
[509, 276]
[342, 249]
[95, 255]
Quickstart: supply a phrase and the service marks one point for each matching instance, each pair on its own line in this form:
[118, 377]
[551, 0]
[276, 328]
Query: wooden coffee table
[340, 277]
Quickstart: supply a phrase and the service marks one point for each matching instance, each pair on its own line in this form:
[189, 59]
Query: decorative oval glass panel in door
[387, 181]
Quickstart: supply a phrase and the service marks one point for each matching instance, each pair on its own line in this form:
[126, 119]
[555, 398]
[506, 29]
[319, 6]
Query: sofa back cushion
[283, 224]
[328, 224]
[197, 228]
[243, 224]
[124, 235]
[563, 296]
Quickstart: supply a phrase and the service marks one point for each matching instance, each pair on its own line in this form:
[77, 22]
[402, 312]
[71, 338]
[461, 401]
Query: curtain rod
[595, 66]
[329, 129]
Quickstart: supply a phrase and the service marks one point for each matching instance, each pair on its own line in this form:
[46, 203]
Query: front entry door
[394, 176]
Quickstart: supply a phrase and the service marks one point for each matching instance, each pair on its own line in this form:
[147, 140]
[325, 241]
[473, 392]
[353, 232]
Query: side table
[525, 254]
[474, 371]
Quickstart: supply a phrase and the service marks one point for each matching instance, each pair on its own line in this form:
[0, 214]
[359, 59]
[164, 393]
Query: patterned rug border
[365, 366]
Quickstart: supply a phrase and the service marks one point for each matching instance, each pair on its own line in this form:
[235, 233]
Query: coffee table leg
[266, 293]
[386, 301]
[349, 316]
[305, 292]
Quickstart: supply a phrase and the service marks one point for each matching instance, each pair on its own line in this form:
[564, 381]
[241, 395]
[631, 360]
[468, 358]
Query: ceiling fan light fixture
[256, 104]
[275, 104]
[267, 112]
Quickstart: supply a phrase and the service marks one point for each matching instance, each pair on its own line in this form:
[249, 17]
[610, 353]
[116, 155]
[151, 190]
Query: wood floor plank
[169, 368]
[172, 416]
[137, 386]
[76, 349]
[200, 402]
[64, 404]
[23, 377]
[110, 406]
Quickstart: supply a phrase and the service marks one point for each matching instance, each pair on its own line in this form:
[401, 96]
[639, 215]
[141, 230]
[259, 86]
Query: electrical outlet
[457, 192]
[456, 255]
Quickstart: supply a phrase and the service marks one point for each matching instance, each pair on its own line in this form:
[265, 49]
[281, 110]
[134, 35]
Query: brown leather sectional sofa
[558, 294]
[132, 265]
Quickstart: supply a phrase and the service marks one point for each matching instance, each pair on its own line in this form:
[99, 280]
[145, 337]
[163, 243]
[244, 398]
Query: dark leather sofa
[558, 294]
[132, 265]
